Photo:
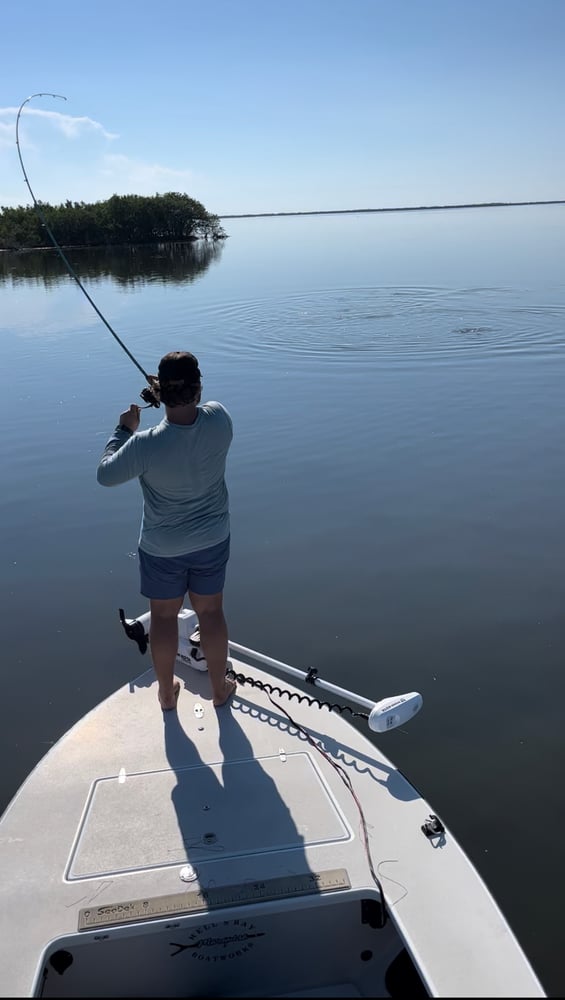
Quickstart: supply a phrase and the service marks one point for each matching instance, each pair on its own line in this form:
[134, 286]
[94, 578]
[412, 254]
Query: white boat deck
[95, 844]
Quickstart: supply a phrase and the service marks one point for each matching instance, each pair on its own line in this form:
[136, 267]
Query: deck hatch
[225, 810]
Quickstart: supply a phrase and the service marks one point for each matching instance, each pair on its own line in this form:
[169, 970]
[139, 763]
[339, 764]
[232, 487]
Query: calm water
[397, 488]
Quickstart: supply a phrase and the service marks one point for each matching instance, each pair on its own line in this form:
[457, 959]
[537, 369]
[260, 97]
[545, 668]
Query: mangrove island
[121, 220]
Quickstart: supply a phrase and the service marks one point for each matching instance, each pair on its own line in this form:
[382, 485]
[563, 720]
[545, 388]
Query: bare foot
[229, 688]
[169, 706]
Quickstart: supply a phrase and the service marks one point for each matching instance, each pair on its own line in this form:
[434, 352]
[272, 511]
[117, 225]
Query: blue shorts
[203, 572]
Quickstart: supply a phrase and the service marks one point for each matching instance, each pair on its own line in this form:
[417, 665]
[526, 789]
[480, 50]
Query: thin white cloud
[139, 176]
[7, 137]
[102, 175]
[70, 125]
[100, 178]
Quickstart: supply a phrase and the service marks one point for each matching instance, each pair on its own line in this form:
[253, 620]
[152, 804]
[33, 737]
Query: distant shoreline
[329, 211]
[409, 208]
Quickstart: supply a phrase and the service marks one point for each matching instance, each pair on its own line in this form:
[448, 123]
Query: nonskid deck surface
[132, 798]
[134, 795]
[167, 817]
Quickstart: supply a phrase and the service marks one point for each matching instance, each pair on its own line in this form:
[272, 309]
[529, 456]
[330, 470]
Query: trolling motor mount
[135, 630]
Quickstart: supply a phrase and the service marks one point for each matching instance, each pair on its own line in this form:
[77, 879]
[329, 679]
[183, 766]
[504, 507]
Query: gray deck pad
[170, 817]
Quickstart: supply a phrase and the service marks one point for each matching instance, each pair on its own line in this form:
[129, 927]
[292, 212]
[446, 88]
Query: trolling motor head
[392, 712]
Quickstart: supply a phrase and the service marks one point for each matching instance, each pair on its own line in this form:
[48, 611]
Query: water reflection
[164, 263]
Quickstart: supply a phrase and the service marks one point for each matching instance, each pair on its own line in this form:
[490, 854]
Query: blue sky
[294, 105]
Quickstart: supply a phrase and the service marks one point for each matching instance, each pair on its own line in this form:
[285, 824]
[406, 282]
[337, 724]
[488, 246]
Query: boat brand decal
[219, 942]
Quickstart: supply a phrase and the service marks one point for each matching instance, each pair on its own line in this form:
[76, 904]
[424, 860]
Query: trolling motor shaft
[381, 716]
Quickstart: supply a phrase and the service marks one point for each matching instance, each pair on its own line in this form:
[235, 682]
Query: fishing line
[148, 394]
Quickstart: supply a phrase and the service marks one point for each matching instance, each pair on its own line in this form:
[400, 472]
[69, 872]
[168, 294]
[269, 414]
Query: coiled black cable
[273, 689]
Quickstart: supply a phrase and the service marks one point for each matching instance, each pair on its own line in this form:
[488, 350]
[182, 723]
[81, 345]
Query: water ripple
[391, 322]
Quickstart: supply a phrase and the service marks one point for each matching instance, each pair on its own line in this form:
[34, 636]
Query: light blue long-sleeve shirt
[181, 470]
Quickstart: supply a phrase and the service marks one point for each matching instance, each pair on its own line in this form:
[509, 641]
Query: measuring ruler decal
[196, 900]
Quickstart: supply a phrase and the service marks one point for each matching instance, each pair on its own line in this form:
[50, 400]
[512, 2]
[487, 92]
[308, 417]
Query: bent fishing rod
[150, 394]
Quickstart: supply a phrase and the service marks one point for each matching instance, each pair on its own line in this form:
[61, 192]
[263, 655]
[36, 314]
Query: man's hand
[131, 418]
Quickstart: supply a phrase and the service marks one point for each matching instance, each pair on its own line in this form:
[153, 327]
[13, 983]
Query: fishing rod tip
[44, 93]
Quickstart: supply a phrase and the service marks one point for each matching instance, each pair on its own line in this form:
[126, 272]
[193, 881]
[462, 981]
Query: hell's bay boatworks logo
[219, 942]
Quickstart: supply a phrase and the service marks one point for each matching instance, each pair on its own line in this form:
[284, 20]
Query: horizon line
[402, 208]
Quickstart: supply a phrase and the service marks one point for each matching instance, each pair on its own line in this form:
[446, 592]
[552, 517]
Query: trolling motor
[189, 651]
[381, 716]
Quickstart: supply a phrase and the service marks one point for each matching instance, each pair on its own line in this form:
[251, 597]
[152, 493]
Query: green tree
[122, 219]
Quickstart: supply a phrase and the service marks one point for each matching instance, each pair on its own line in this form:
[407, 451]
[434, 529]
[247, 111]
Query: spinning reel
[151, 394]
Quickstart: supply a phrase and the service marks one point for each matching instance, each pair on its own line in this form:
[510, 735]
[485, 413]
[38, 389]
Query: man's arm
[121, 459]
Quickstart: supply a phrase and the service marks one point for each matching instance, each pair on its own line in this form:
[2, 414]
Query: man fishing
[184, 540]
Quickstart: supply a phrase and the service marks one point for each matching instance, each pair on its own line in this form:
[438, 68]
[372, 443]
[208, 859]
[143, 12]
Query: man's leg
[214, 641]
[164, 642]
